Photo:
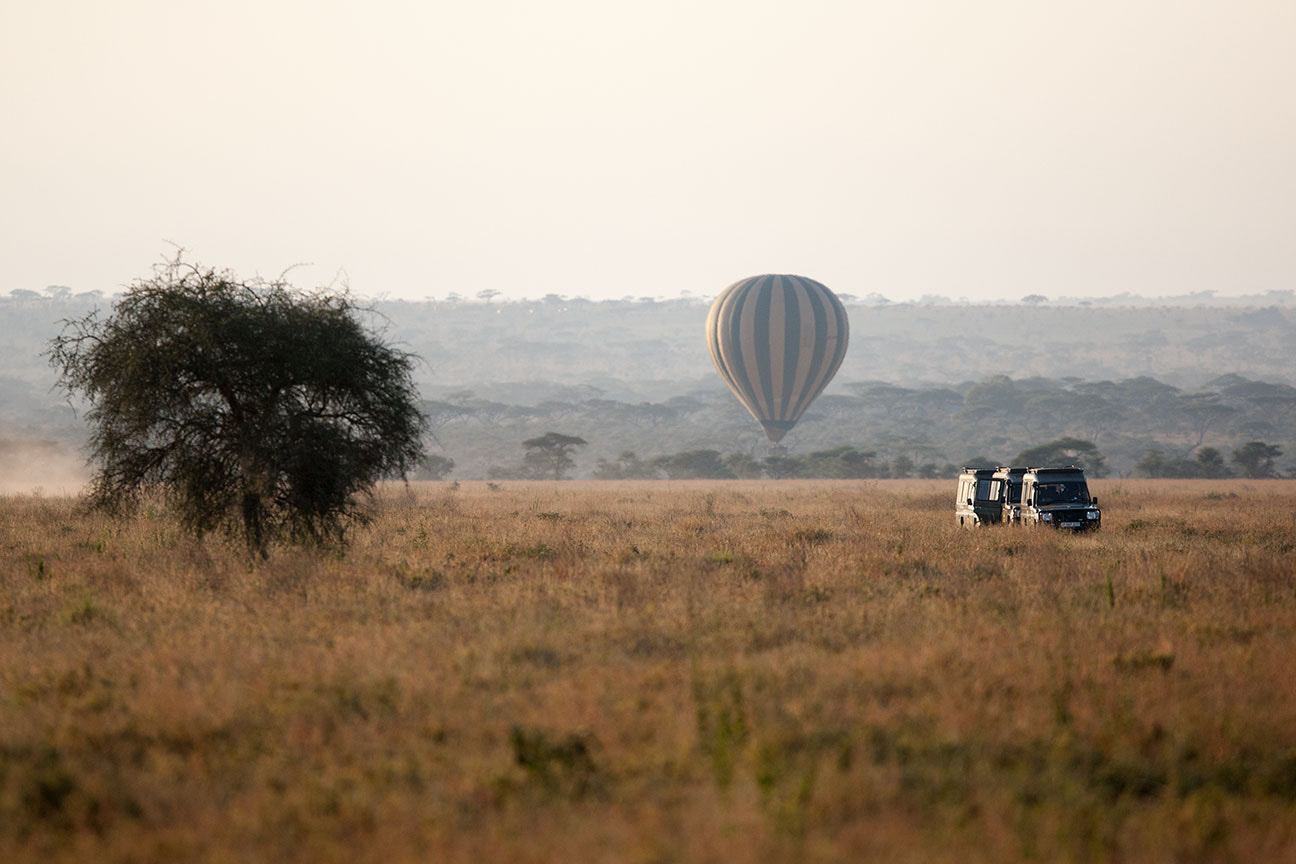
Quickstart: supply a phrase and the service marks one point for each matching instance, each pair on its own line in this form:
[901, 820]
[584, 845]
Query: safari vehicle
[1058, 497]
[975, 505]
[1006, 487]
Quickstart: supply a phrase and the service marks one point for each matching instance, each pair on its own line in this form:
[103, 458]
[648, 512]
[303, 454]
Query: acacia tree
[1065, 451]
[550, 455]
[1256, 459]
[434, 467]
[694, 464]
[256, 408]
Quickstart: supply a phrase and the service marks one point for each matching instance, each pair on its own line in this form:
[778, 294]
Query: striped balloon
[777, 342]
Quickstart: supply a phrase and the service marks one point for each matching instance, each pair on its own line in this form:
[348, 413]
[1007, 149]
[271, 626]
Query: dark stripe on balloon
[792, 288]
[761, 340]
[843, 339]
[834, 346]
[727, 352]
[840, 337]
[816, 363]
[727, 348]
[738, 366]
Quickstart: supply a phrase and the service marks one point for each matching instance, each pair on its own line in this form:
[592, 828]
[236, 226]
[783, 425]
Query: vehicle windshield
[1061, 492]
[983, 490]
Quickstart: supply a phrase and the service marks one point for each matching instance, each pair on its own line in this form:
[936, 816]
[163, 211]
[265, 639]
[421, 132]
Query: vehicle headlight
[1046, 517]
[1092, 514]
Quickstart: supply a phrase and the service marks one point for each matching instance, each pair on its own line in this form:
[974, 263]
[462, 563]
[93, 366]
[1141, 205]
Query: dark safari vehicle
[976, 504]
[1058, 497]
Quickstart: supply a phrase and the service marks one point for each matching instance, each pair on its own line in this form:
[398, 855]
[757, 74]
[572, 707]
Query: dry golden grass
[658, 672]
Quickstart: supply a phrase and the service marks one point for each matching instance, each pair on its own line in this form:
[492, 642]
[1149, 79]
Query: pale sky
[974, 150]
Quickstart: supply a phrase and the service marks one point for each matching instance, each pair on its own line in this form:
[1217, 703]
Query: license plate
[1070, 524]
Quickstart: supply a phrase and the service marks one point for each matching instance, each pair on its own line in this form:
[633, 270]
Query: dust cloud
[41, 467]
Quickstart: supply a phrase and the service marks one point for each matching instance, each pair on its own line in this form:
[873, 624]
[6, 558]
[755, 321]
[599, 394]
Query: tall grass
[647, 672]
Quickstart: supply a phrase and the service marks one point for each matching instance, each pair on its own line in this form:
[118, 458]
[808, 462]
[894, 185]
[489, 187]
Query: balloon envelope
[777, 341]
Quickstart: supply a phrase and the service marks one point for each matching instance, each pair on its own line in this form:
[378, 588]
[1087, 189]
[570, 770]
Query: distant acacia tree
[627, 466]
[902, 466]
[1064, 451]
[694, 464]
[844, 462]
[744, 465]
[550, 455]
[1210, 463]
[780, 467]
[994, 394]
[434, 467]
[1256, 459]
[256, 408]
[1155, 463]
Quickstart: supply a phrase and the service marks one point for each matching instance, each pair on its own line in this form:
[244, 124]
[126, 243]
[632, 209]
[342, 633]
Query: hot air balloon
[777, 341]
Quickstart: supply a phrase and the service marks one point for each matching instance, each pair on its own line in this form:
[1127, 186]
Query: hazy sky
[591, 147]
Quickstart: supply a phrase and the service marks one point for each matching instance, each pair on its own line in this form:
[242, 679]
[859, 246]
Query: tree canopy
[550, 454]
[256, 408]
[1065, 451]
[1256, 458]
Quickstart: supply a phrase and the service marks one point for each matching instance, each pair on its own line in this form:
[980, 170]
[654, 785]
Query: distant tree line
[844, 463]
[887, 430]
[1254, 460]
[549, 457]
[633, 375]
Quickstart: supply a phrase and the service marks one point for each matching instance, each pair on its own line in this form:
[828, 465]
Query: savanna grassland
[653, 672]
